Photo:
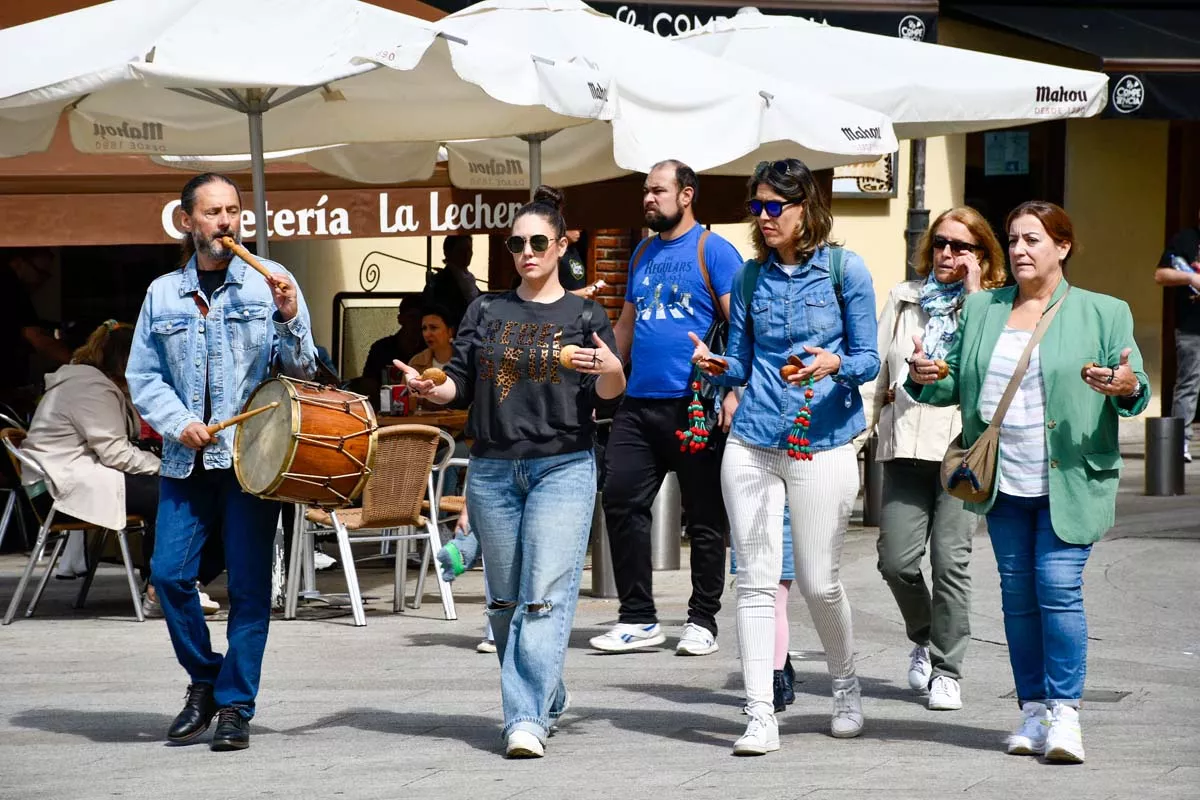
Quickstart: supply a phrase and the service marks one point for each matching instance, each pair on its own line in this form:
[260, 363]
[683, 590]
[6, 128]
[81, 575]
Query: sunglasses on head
[778, 167]
[538, 243]
[773, 207]
[956, 247]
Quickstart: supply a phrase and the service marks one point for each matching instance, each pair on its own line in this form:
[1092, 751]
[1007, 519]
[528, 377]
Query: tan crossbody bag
[969, 473]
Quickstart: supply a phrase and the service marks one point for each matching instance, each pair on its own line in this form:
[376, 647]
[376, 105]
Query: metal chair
[13, 438]
[14, 491]
[400, 482]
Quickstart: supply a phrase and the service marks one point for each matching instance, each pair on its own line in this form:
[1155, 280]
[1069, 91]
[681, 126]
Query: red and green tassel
[799, 446]
[695, 438]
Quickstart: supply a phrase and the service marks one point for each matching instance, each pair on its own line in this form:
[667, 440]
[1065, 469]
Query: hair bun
[550, 196]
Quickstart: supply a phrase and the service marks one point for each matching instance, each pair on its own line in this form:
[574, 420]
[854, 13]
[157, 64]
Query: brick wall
[611, 249]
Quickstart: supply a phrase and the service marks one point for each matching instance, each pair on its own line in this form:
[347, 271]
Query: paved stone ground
[406, 708]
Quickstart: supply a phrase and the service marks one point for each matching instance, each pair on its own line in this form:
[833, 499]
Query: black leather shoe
[789, 681]
[196, 715]
[233, 731]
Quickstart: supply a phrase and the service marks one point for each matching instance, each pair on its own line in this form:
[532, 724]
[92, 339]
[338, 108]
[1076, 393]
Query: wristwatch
[1136, 392]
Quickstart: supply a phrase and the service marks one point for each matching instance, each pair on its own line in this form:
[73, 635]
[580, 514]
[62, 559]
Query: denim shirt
[787, 313]
[176, 351]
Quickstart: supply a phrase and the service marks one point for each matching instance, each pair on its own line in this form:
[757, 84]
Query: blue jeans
[533, 517]
[1041, 590]
[190, 510]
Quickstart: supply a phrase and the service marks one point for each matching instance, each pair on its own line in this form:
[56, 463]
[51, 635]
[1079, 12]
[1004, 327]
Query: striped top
[1022, 468]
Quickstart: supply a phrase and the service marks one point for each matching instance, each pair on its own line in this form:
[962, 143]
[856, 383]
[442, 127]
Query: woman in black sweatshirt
[532, 479]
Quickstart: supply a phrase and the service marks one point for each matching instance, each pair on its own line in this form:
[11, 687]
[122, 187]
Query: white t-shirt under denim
[1023, 471]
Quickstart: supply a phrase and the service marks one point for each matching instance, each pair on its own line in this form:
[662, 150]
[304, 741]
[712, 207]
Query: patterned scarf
[941, 301]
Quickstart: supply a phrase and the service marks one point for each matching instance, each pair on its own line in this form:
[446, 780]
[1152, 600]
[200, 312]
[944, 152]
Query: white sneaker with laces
[625, 636]
[696, 641]
[847, 709]
[945, 694]
[761, 737]
[1029, 739]
[919, 669]
[1064, 740]
[523, 744]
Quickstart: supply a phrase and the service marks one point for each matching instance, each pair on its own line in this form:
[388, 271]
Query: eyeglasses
[538, 243]
[773, 207]
[956, 247]
[779, 167]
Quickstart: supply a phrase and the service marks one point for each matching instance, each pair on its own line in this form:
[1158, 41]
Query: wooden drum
[316, 447]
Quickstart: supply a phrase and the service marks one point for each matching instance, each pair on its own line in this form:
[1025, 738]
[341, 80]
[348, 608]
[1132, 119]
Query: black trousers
[642, 449]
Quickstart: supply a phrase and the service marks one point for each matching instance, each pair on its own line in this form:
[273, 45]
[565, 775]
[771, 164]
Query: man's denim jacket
[175, 349]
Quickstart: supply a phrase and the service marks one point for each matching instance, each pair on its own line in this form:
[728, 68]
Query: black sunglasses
[773, 207]
[780, 167]
[538, 243]
[956, 247]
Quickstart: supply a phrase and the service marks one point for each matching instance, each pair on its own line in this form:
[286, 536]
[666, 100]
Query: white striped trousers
[756, 482]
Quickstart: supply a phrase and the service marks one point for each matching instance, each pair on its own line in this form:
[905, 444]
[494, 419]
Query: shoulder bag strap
[717, 310]
[1011, 391]
[836, 274]
[639, 252]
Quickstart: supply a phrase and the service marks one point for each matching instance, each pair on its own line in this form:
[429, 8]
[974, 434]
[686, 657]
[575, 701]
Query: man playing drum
[208, 334]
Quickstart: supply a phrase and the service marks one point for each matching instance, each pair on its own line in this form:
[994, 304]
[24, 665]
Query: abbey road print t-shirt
[667, 291]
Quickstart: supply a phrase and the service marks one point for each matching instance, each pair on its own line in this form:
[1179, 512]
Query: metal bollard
[666, 526]
[1164, 456]
[603, 582]
[872, 483]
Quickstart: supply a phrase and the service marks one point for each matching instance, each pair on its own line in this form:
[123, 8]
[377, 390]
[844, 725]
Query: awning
[1151, 55]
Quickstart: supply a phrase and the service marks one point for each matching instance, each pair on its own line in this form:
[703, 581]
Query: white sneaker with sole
[1029, 739]
[626, 636]
[1064, 740]
[485, 646]
[523, 744]
[847, 709]
[919, 669]
[945, 694]
[761, 737]
[322, 560]
[207, 604]
[696, 641]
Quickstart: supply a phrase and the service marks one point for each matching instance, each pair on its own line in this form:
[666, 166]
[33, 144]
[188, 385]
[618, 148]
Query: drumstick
[248, 257]
[220, 426]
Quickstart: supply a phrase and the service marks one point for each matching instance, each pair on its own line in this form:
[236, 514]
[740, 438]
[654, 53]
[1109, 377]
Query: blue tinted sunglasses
[773, 207]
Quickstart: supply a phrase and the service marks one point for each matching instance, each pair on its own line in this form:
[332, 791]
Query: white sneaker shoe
[151, 608]
[761, 737]
[1029, 739]
[207, 604]
[847, 709]
[626, 636]
[322, 560]
[945, 694]
[1064, 741]
[1187, 454]
[523, 744]
[485, 646]
[919, 669]
[696, 641]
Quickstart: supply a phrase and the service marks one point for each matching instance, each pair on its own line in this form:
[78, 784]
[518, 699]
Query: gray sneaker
[847, 719]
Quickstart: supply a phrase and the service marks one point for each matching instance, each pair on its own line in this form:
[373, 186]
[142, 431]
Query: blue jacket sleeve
[860, 356]
[293, 348]
[155, 399]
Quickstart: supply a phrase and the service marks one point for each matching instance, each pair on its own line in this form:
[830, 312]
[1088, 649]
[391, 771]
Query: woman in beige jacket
[958, 255]
[82, 437]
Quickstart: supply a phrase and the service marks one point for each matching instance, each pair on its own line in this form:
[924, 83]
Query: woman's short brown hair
[107, 349]
[993, 273]
[1054, 219]
[791, 179]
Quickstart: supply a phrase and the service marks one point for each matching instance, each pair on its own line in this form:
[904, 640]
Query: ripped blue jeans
[533, 517]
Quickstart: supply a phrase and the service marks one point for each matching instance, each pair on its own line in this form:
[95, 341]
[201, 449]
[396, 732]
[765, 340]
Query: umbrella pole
[534, 140]
[259, 178]
[918, 215]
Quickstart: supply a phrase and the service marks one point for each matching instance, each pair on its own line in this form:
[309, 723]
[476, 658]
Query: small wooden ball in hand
[434, 374]
[943, 368]
[565, 355]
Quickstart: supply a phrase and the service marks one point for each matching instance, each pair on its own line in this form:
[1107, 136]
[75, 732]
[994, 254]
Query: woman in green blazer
[1059, 464]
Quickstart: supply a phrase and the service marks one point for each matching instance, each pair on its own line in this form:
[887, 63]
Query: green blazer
[1081, 424]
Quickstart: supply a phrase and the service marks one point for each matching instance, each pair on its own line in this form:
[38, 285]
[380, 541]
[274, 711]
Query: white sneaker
[1029, 738]
[1187, 454]
[760, 737]
[1064, 741]
[919, 669]
[945, 694]
[322, 561]
[523, 744]
[626, 636]
[207, 604]
[696, 641]
[485, 646]
[847, 709]
[151, 608]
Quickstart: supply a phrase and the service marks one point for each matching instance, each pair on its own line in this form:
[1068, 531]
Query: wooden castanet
[248, 257]
[234, 420]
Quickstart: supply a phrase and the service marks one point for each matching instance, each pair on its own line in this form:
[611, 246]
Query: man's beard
[212, 247]
[658, 222]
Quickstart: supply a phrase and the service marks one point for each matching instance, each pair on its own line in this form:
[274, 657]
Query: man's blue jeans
[533, 517]
[1041, 590]
[211, 503]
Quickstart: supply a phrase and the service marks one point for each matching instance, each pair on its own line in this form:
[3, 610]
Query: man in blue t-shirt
[668, 294]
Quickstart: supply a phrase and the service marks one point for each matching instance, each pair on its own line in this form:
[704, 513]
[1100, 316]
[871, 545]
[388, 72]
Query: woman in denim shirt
[798, 309]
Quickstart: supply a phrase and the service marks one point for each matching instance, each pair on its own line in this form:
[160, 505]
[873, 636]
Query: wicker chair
[13, 438]
[400, 482]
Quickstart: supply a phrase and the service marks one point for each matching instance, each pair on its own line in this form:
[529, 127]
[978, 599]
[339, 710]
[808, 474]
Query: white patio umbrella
[670, 102]
[926, 89]
[186, 77]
